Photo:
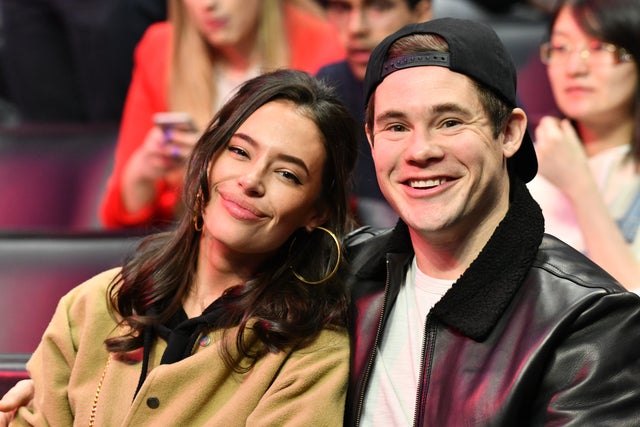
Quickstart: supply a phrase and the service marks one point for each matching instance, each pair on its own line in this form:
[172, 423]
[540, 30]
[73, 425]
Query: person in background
[237, 316]
[467, 313]
[69, 61]
[589, 180]
[483, 10]
[361, 25]
[190, 65]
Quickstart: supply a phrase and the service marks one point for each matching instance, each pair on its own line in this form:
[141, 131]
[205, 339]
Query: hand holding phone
[174, 120]
[180, 134]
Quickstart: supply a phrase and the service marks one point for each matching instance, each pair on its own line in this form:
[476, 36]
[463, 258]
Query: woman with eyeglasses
[588, 182]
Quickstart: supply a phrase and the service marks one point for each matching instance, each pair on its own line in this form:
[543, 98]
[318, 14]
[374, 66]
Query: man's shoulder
[366, 247]
[565, 264]
[340, 74]
[366, 235]
[335, 70]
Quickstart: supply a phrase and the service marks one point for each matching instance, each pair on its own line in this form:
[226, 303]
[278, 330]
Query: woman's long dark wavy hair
[153, 283]
[616, 22]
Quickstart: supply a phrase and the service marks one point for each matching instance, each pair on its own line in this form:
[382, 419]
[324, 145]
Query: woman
[190, 65]
[237, 316]
[589, 178]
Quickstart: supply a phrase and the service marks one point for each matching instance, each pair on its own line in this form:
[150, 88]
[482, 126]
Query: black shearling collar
[477, 300]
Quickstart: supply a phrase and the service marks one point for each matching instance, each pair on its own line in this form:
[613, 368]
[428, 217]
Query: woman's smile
[240, 208]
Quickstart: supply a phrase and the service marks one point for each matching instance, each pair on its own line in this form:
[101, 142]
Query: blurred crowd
[105, 69]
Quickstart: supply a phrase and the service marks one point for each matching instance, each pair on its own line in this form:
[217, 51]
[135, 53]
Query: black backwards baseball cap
[475, 51]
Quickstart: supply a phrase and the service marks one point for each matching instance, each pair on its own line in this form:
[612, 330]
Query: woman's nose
[252, 182]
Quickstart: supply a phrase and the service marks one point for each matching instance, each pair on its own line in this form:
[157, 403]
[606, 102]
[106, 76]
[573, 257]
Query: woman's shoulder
[93, 290]
[155, 42]
[84, 311]
[158, 32]
[328, 340]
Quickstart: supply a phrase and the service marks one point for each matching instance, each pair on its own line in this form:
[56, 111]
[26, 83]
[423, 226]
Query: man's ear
[369, 134]
[514, 132]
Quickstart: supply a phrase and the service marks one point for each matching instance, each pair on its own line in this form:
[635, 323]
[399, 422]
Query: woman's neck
[599, 137]
[239, 58]
[217, 270]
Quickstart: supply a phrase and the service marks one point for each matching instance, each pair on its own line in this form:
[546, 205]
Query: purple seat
[52, 177]
[36, 270]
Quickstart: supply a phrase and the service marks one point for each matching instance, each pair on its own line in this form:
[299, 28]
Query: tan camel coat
[301, 387]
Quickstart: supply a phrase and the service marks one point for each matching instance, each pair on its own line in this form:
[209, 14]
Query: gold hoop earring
[335, 267]
[198, 221]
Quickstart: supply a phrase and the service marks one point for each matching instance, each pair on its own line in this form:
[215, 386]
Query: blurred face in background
[592, 81]
[363, 24]
[225, 23]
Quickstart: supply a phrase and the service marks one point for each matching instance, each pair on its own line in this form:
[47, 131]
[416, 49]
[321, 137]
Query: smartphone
[174, 120]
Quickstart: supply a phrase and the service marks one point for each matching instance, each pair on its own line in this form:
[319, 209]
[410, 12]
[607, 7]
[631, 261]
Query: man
[467, 313]
[361, 25]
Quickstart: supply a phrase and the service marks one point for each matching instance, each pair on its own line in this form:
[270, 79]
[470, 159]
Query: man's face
[436, 158]
[363, 24]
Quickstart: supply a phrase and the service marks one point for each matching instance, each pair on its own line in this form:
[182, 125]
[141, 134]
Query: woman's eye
[598, 46]
[290, 176]
[237, 150]
[561, 48]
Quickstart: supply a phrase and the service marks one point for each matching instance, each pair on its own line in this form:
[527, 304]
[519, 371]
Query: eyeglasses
[596, 53]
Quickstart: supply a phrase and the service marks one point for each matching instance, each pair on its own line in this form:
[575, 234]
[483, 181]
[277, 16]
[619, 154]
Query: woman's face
[266, 183]
[588, 82]
[225, 23]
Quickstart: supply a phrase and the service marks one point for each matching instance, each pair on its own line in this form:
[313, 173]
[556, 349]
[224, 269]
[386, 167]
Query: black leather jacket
[533, 333]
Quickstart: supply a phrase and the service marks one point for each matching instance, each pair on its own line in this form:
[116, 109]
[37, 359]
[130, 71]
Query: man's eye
[338, 7]
[450, 123]
[396, 128]
[380, 5]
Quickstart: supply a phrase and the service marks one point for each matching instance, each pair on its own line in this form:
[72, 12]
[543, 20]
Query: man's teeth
[427, 183]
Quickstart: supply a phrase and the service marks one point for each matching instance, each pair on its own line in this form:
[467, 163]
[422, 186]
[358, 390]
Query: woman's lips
[240, 209]
[215, 24]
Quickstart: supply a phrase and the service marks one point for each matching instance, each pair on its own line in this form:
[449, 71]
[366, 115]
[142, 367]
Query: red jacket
[313, 43]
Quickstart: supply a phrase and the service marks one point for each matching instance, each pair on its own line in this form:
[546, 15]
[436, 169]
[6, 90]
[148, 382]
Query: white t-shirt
[391, 395]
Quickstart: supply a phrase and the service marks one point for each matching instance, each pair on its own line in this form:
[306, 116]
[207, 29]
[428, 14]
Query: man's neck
[446, 254]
